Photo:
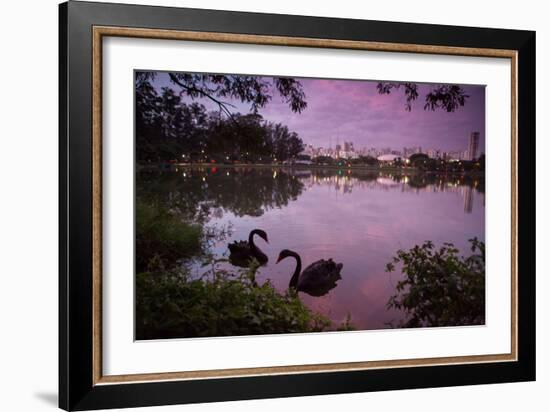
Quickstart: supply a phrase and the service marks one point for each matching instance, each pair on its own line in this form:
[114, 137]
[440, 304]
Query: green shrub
[173, 305]
[162, 238]
[440, 287]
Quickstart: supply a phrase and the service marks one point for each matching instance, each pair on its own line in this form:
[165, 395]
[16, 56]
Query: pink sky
[352, 110]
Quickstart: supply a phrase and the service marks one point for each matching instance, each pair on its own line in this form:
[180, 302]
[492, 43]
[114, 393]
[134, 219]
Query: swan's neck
[294, 279]
[251, 240]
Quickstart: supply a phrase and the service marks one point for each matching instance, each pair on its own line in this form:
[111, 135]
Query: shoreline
[361, 168]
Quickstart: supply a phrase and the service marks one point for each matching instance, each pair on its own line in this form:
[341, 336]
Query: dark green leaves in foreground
[170, 303]
[440, 287]
[173, 305]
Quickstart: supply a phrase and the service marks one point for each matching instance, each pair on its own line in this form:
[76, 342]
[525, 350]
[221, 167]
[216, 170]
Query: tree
[286, 144]
[369, 160]
[167, 127]
[420, 160]
[448, 97]
[323, 160]
[254, 90]
[418, 156]
[250, 136]
[295, 145]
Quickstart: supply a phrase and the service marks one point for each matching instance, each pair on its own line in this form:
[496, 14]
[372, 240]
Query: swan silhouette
[317, 279]
[242, 252]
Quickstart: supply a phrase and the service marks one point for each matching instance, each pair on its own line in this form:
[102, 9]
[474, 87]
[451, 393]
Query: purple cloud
[352, 110]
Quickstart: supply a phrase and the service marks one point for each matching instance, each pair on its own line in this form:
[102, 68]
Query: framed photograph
[257, 205]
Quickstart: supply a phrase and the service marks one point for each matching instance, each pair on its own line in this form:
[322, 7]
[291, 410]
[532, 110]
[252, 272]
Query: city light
[347, 151]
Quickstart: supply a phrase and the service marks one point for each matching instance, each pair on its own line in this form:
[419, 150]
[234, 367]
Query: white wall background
[28, 204]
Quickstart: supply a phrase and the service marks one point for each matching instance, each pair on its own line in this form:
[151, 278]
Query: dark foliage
[440, 287]
[163, 238]
[169, 129]
[173, 305]
[410, 90]
[255, 90]
[448, 97]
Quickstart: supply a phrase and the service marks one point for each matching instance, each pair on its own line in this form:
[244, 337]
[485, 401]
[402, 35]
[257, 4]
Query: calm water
[358, 218]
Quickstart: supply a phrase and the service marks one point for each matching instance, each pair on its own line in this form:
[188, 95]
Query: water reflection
[251, 191]
[357, 217]
[198, 192]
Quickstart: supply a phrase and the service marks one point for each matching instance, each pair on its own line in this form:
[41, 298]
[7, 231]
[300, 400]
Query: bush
[162, 238]
[173, 305]
[440, 287]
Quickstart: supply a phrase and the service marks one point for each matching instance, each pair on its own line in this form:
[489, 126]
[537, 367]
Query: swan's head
[262, 234]
[286, 253]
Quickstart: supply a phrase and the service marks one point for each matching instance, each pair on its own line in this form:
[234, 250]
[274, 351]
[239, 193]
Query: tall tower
[473, 146]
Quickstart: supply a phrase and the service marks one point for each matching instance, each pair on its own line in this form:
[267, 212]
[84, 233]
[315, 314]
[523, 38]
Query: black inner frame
[76, 388]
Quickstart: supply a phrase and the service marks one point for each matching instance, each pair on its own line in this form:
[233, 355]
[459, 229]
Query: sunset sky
[352, 110]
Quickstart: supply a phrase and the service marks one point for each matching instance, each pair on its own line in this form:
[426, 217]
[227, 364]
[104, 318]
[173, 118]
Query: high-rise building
[409, 151]
[347, 146]
[337, 151]
[473, 145]
[433, 153]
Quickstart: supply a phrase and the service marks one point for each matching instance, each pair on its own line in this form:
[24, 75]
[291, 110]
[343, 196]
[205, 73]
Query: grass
[163, 238]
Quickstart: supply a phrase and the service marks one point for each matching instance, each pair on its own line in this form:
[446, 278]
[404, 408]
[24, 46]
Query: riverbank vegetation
[418, 162]
[171, 303]
[440, 287]
[162, 238]
[174, 305]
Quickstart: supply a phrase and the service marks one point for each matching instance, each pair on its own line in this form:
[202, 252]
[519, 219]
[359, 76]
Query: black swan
[317, 279]
[242, 252]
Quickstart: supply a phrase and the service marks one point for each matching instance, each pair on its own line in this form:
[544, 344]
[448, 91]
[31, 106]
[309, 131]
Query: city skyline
[347, 149]
[354, 111]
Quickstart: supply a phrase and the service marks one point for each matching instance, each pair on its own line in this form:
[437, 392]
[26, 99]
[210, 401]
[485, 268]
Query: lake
[357, 217]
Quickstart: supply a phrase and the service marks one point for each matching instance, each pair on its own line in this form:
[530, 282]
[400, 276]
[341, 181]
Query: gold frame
[101, 31]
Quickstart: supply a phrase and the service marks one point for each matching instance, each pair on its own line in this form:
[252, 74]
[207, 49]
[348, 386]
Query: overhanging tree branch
[222, 105]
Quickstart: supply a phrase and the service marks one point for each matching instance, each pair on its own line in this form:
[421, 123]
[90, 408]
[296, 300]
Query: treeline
[169, 129]
[418, 161]
[330, 161]
[424, 162]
